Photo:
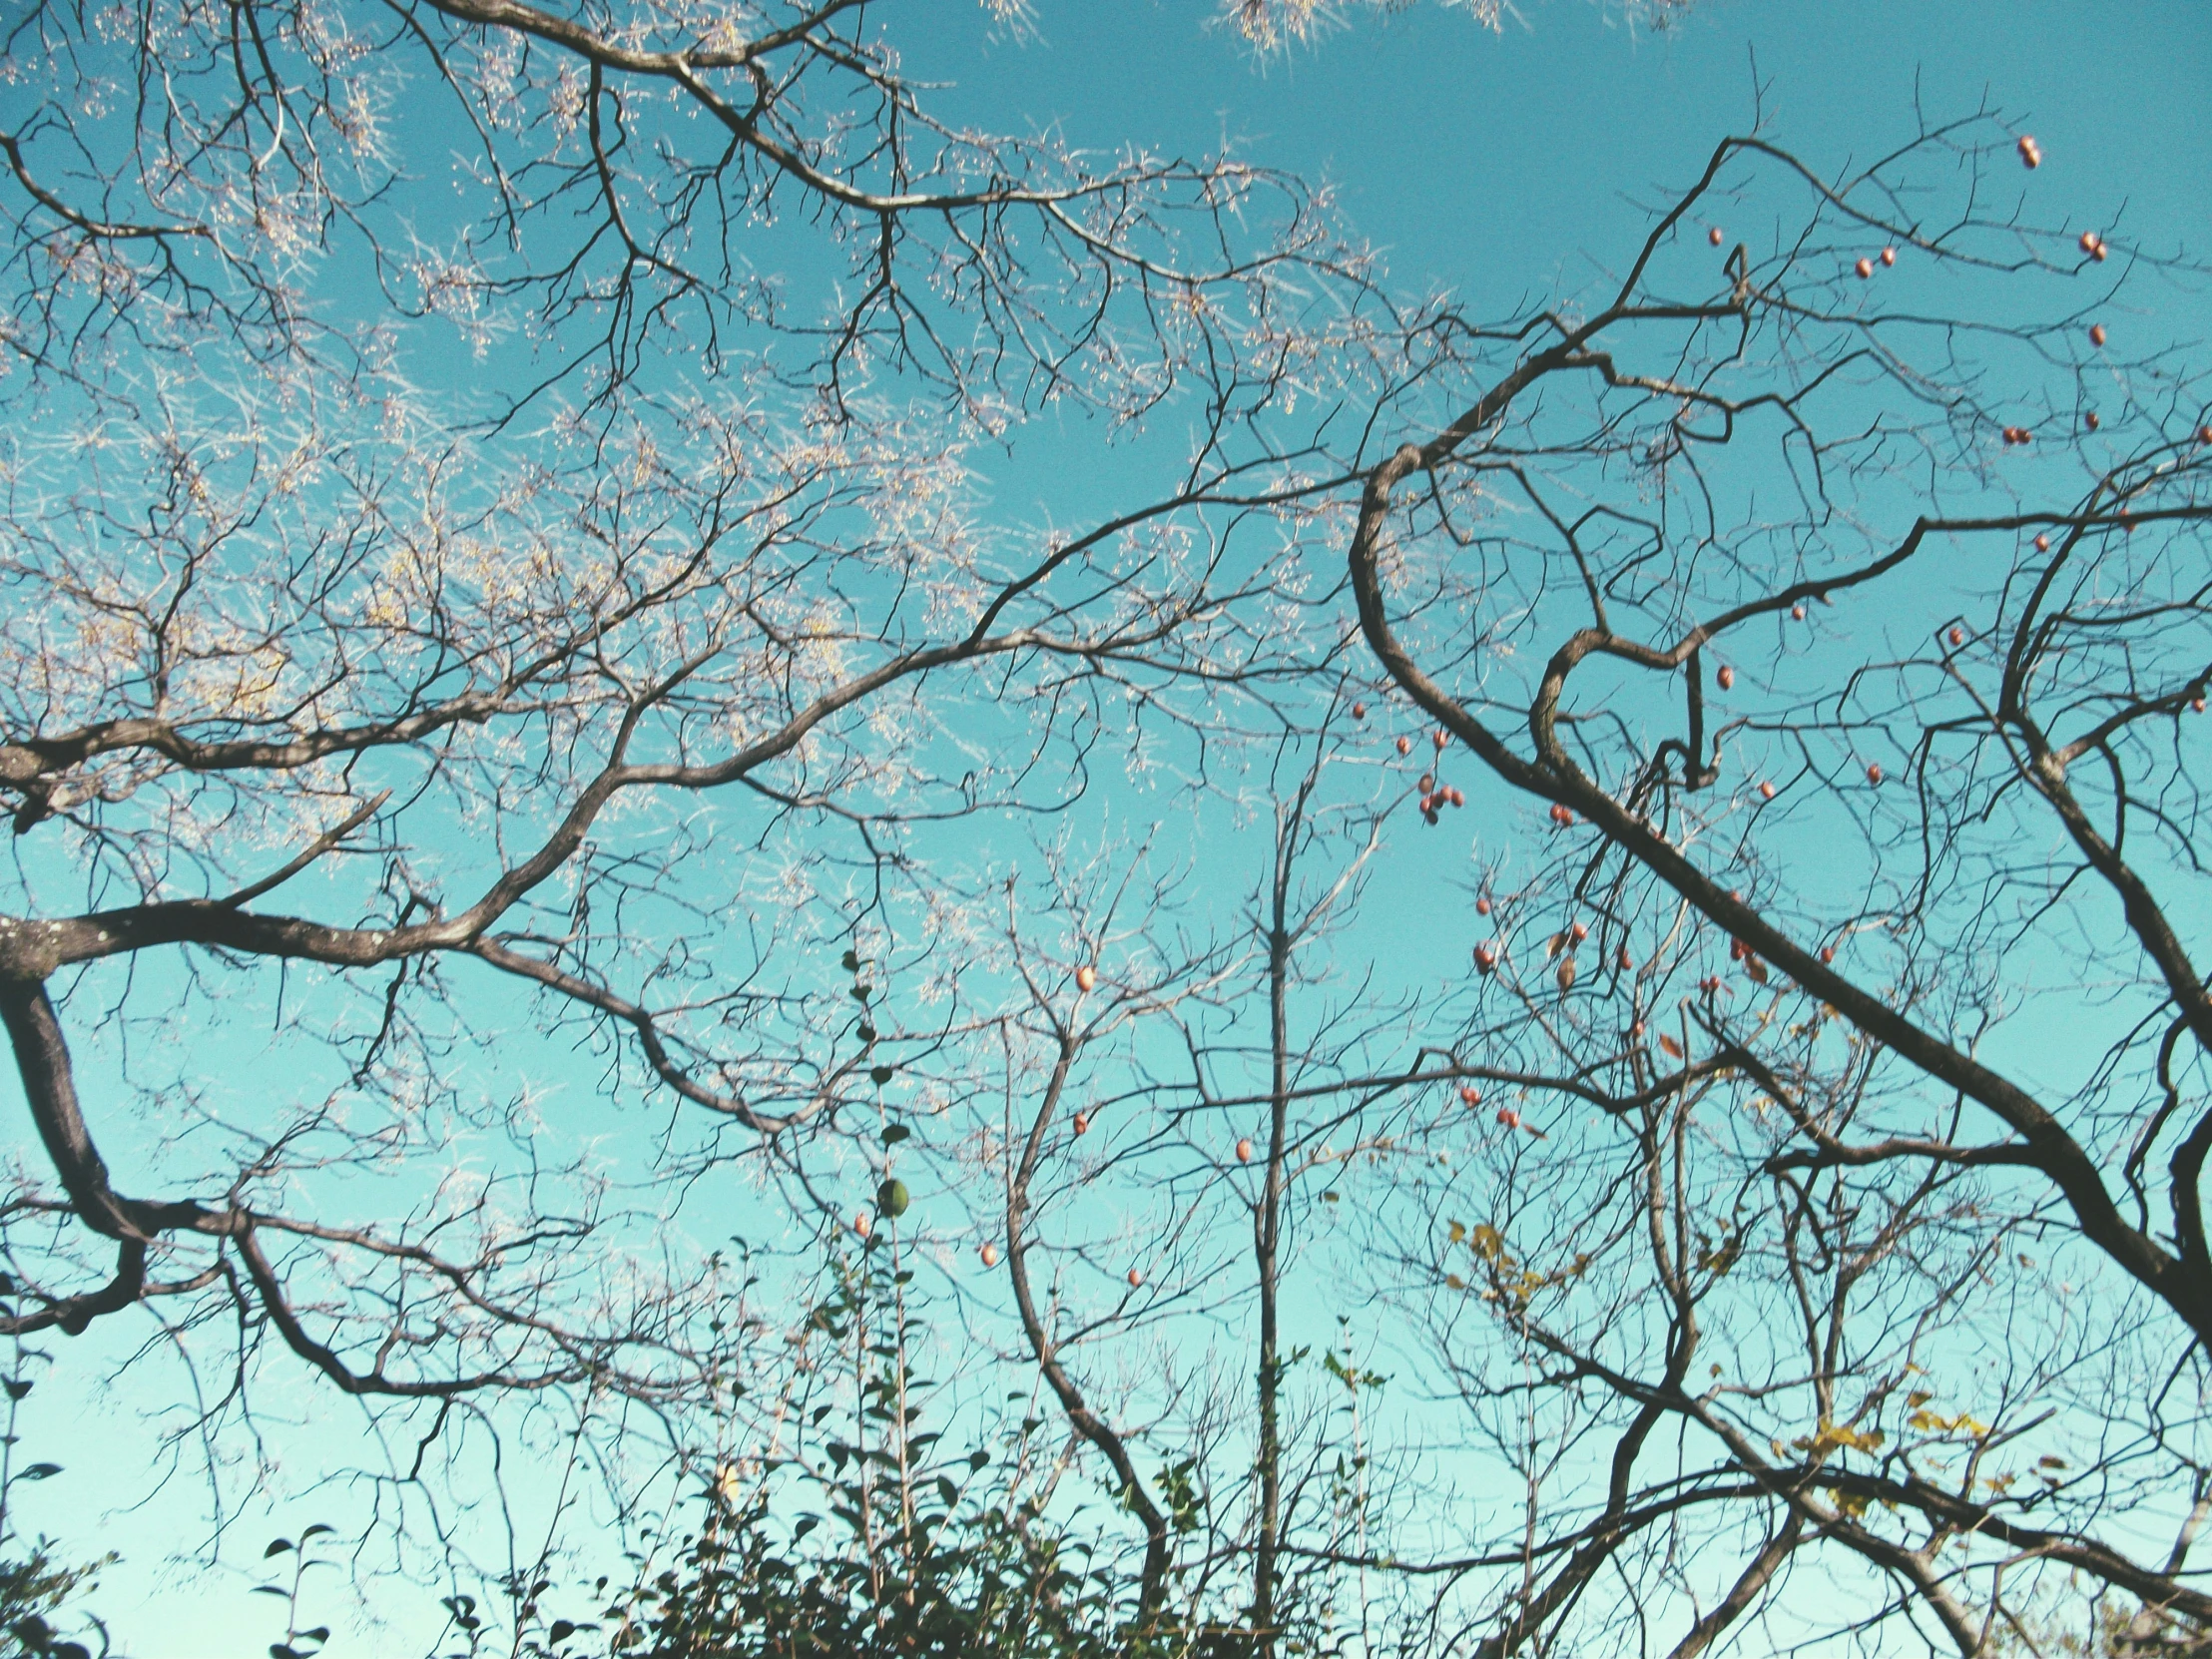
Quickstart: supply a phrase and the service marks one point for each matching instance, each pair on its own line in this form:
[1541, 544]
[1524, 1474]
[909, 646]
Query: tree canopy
[576, 872]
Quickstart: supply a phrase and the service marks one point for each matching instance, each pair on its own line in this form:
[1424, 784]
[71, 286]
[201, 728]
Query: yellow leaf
[1934, 1423]
[1670, 1045]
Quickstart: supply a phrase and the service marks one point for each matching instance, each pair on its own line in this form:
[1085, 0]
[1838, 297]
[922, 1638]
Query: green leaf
[40, 1471]
[18, 1388]
[277, 1546]
[315, 1531]
[895, 1133]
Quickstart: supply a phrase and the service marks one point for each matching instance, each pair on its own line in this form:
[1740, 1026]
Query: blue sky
[1492, 164]
[1499, 166]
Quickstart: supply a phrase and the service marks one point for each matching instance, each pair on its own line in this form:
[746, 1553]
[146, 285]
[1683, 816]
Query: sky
[1493, 164]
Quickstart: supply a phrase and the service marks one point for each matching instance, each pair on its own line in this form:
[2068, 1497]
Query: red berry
[1359, 711]
[1470, 1095]
[1082, 1123]
[1482, 906]
[1889, 255]
[1457, 800]
[1428, 782]
[1797, 612]
[1405, 745]
[1578, 932]
[989, 1252]
[2197, 702]
[2101, 251]
[2089, 241]
[2204, 434]
[1727, 677]
[1507, 1116]
[1714, 236]
[863, 1224]
[1873, 774]
[1485, 959]
[1627, 961]
[2031, 152]
[2096, 333]
[1086, 976]
[1828, 954]
[1864, 268]
[2090, 421]
[1134, 1279]
[1244, 1151]
[1766, 791]
[1637, 1030]
[2043, 544]
[1440, 737]
[1959, 636]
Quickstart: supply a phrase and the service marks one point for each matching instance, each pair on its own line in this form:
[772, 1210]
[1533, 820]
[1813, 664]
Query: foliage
[35, 1586]
[892, 1546]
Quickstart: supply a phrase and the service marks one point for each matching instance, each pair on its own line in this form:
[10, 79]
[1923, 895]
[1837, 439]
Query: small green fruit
[891, 1198]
